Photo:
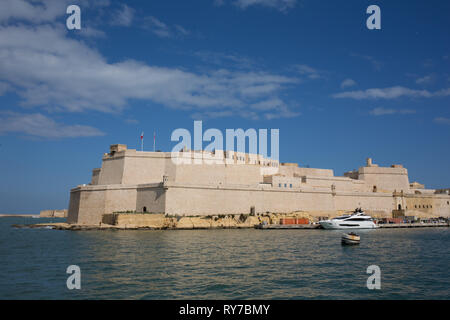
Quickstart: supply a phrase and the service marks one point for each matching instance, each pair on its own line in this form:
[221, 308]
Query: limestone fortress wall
[225, 182]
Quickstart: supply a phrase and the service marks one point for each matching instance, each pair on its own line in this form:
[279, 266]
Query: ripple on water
[222, 264]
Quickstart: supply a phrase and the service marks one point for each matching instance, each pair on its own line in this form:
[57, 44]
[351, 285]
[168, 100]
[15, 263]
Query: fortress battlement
[228, 182]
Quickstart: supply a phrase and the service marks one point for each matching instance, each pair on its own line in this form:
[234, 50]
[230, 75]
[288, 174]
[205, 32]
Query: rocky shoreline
[126, 221]
[140, 221]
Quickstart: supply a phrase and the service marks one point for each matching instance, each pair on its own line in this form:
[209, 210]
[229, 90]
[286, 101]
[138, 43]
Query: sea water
[222, 264]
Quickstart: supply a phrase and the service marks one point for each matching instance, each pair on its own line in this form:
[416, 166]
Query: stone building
[53, 213]
[196, 183]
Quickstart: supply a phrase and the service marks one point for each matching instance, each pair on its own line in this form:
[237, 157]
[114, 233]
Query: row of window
[285, 185]
[425, 206]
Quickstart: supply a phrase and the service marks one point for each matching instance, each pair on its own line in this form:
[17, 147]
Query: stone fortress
[241, 183]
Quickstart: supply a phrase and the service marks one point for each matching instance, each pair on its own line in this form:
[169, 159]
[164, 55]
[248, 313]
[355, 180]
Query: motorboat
[350, 238]
[357, 220]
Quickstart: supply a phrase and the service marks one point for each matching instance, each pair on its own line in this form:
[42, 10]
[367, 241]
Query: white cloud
[48, 69]
[42, 11]
[123, 16]
[268, 104]
[131, 121]
[281, 5]
[34, 11]
[282, 112]
[442, 120]
[425, 79]
[38, 125]
[224, 59]
[391, 93]
[158, 27]
[163, 30]
[277, 107]
[91, 32]
[374, 62]
[348, 83]
[183, 31]
[272, 108]
[380, 111]
[308, 71]
[211, 114]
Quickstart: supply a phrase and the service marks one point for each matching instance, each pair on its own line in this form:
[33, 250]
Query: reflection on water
[222, 264]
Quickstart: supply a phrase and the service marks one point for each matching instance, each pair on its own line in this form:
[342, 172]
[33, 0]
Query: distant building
[53, 213]
[228, 182]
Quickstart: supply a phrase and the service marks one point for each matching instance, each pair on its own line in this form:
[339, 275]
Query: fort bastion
[229, 182]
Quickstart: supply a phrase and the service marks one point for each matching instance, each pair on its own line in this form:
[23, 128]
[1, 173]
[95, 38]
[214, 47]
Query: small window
[290, 186]
[285, 185]
[279, 185]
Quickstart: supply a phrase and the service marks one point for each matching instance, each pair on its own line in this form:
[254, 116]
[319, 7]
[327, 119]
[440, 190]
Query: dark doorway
[144, 209]
[399, 207]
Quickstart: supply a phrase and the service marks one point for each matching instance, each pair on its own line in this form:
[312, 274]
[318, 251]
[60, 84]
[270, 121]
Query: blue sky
[337, 91]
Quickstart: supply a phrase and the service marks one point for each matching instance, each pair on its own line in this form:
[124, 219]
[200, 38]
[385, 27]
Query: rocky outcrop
[160, 221]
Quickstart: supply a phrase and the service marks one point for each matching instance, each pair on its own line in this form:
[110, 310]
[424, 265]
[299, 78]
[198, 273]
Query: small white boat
[350, 238]
[357, 220]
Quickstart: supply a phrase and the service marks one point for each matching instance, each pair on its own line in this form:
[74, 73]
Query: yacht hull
[333, 225]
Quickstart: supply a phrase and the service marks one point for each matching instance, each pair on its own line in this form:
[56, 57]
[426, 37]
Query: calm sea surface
[221, 264]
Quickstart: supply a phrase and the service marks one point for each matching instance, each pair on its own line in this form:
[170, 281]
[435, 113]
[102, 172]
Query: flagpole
[142, 141]
[154, 140]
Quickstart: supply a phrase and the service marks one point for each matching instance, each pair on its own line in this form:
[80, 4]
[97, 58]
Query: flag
[142, 135]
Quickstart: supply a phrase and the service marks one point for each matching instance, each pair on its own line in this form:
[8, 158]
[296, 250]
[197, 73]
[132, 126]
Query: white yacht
[357, 220]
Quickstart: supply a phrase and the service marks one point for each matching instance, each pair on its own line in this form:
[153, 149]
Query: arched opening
[144, 209]
[374, 188]
[399, 207]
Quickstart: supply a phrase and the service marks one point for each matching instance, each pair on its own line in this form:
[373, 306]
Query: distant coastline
[6, 215]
